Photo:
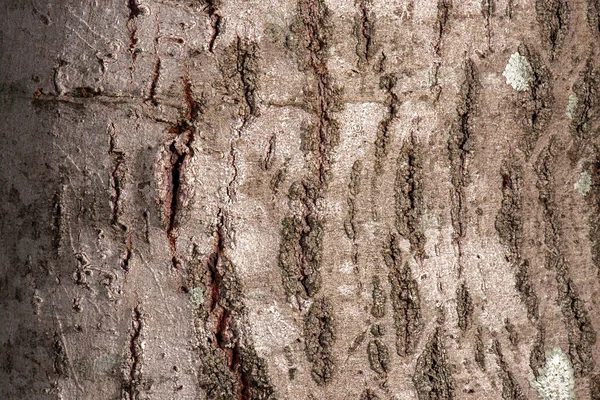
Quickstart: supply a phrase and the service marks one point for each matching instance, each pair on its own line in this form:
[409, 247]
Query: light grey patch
[518, 72]
[584, 183]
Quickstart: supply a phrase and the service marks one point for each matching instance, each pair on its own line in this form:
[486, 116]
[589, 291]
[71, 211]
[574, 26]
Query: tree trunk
[300, 199]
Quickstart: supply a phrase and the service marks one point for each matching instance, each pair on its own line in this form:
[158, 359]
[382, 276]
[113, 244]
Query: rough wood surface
[300, 199]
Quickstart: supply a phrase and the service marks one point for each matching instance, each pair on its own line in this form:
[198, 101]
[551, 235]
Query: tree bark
[300, 199]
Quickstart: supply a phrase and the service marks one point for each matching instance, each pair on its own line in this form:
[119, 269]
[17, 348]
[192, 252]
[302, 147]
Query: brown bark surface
[298, 199]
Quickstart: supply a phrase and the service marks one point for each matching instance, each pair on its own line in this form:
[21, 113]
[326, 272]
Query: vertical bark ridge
[510, 388]
[179, 151]
[211, 9]
[553, 18]
[405, 299]
[132, 380]
[488, 7]
[460, 147]
[537, 102]
[586, 112]
[364, 32]
[319, 334]
[408, 190]
[350, 224]
[581, 334]
[432, 377]
[387, 83]
[229, 365]
[509, 225]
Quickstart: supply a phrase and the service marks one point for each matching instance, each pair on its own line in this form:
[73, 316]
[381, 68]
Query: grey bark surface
[299, 199]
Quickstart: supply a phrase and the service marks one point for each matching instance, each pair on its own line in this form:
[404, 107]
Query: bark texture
[299, 199]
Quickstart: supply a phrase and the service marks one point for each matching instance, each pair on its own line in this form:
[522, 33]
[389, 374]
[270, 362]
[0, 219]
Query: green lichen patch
[571, 106]
[518, 72]
[556, 380]
[584, 183]
[197, 296]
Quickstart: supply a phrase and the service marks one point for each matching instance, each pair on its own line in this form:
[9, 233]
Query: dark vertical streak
[460, 145]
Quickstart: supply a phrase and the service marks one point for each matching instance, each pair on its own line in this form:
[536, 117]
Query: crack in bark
[59, 215]
[480, 349]
[464, 307]
[117, 179]
[179, 151]
[537, 357]
[210, 7]
[593, 200]
[350, 225]
[314, 18]
[230, 366]
[553, 18]
[134, 12]
[408, 194]
[441, 24]
[240, 74]
[130, 388]
[379, 357]
[364, 30]
[460, 145]
[405, 300]
[432, 377]
[246, 68]
[379, 298]
[581, 333]
[487, 11]
[509, 225]
[536, 104]
[585, 116]
[510, 387]
[319, 334]
[301, 247]
[386, 83]
[157, 66]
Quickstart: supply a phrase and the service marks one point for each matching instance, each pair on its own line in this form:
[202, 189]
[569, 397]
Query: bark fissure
[134, 12]
[441, 24]
[319, 334]
[537, 102]
[405, 300]
[130, 389]
[364, 30]
[487, 11]
[553, 18]
[210, 7]
[432, 377]
[586, 113]
[460, 147]
[581, 333]
[408, 193]
[230, 367]
[179, 151]
[117, 180]
[509, 225]
[510, 388]
[464, 307]
[387, 83]
[301, 244]
[350, 224]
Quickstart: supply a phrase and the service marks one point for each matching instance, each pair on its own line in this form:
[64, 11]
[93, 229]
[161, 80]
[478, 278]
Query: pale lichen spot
[518, 72]
[571, 106]
[197, 296]
[556, 380]
[584, 183]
